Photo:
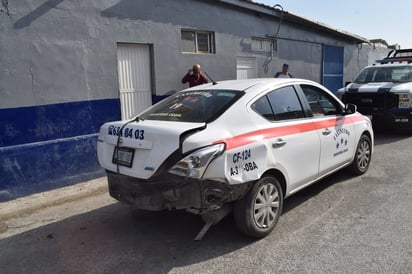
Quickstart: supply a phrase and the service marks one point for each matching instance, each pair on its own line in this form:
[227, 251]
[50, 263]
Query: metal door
[332, 73]
[245, 68]
[134, 71]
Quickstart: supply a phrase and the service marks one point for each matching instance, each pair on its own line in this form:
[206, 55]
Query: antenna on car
[211, 79]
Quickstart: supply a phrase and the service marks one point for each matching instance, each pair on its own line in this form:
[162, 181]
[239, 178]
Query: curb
[32, 203]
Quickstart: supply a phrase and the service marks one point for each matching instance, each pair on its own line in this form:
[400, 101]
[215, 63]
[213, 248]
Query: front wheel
[363, 156]
[258, 212]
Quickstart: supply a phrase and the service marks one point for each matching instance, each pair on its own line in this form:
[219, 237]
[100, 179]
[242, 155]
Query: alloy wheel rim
[363, 155]
[266, 206]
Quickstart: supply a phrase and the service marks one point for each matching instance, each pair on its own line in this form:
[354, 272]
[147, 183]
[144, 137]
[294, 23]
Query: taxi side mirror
[350, 108]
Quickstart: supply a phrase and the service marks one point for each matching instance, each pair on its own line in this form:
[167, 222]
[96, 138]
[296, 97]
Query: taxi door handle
[326, 132]
[279, 143]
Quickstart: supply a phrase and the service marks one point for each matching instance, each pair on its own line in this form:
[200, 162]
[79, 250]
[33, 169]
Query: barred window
[263, 44]
[198, 41]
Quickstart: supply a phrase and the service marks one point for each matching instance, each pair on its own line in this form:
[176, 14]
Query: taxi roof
[246, 84]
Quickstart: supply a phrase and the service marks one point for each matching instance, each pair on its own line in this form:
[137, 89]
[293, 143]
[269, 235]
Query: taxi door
[295, 148]
[336, 131]
[337, 143]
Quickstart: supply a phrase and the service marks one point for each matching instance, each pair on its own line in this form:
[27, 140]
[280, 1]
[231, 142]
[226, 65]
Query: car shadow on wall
[26, 20]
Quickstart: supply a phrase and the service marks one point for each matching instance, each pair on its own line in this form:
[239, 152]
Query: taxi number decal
[246, 167]
[241, 156]
[127, 132]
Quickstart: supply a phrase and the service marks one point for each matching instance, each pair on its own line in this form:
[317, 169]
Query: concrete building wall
[359, 56]
[59, 82]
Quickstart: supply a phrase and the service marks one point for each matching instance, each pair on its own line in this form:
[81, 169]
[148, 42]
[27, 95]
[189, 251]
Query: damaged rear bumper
[173, 192]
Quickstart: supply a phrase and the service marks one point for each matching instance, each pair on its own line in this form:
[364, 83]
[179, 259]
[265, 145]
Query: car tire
[258, 212]
[363, 156]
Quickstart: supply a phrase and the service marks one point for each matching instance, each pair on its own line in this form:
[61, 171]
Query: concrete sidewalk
[29, 204]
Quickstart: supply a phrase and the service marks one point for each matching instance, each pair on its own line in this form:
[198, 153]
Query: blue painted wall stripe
[44, 166]
[40, 123]
[51, 146]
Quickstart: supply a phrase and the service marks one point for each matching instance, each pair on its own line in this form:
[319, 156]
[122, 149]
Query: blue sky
[371, 19]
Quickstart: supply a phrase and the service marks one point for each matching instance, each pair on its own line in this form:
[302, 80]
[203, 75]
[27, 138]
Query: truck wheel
[258, 212]
[363, 156]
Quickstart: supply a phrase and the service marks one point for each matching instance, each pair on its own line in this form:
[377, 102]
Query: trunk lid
[143, 146]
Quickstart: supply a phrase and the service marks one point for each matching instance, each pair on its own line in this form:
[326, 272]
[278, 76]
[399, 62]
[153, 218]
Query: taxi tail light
[194, 165]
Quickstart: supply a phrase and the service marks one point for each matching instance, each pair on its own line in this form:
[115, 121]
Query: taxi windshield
[193, 106]
[394, 74]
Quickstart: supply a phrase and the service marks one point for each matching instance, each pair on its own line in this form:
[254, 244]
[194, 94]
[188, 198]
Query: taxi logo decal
[341, 138]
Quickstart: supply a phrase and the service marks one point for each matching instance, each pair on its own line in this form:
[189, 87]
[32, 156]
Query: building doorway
[332, 67]
[245, 68]
[135, 80]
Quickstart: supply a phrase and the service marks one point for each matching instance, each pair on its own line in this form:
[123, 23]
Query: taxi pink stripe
[273, 132]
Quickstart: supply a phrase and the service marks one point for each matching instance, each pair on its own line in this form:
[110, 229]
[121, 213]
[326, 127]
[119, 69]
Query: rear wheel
[258, 212]
[362, 156]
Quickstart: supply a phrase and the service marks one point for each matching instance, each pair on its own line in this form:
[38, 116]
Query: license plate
[123, 156]
[403, 120]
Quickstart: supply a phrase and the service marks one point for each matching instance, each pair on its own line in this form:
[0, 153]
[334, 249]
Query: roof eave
[294, 18]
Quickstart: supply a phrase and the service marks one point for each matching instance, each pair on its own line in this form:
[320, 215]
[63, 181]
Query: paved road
[340, 225]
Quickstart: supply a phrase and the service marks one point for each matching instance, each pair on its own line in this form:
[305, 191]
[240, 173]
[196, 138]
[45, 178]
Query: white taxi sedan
[241, 145]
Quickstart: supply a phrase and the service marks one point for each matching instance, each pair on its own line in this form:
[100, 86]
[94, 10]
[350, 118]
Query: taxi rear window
[193, 106]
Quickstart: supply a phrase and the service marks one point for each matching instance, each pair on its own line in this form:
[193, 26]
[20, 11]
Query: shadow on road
[116, 238]
[313, 190]
[386, 136]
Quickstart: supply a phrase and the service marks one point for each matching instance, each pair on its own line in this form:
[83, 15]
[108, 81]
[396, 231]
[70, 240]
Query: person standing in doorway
[284, 73]
[194, 77]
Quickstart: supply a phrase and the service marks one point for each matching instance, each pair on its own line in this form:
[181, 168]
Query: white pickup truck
[383, 91]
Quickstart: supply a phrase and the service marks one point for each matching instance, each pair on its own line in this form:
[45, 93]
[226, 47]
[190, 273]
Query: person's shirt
[283, 75]
[194, 79]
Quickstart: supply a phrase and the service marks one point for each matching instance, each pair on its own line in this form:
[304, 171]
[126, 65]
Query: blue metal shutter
[332, 67]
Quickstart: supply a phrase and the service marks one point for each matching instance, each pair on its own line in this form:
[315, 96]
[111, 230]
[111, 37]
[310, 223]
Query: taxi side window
[280, 104]
[285, 104]
[262, 107]
[320, 104]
